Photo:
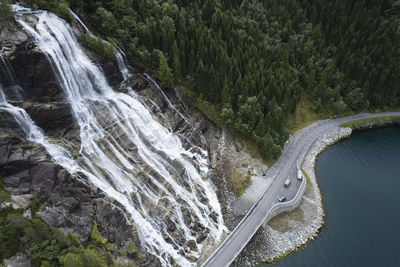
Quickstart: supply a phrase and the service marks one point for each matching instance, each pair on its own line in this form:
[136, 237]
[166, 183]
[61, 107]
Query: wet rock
[108, 65]
[138, 82]
[43, 177]
[34, 73]
[17, 184]
[186, 215]
[50, 116]
[12, 181]
[214, 216]
[191, 244]
[191, 258]
[9, 126]
[53, 217]
[11, 34]
[178, 236]
[31, 68]
[110, 216]
[170, 224]
[202, 237]
[70, 203]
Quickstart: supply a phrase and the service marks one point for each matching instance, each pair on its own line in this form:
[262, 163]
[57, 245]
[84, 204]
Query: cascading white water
[8, 76]
[165, 97]
[35, 134]
[6, 70]
[3, 100]
[124, 151]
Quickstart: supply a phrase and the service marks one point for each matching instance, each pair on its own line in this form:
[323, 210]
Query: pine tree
[176, 62]
[165, 72]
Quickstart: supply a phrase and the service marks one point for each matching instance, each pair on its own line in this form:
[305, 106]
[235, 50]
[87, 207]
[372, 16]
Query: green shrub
[5, 9]
[49, 246]
[72, 260]
[10, 235]
[98, 45]
[35, 204]
[92, 258]
[4, 197]
[60, 7]
[96, 236]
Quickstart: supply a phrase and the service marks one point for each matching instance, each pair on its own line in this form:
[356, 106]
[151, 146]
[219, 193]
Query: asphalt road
[284, 168]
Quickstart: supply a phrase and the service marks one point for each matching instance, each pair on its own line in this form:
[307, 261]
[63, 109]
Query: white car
[299, 175]
[282, 199]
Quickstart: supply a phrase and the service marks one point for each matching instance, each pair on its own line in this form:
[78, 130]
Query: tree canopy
[255, 60]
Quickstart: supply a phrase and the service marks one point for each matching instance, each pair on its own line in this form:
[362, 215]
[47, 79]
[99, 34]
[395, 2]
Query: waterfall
[7, 76]
[79, 21]
[33, 133]
[6, 70]
[124, 151]
[3, 100]
[165, 97]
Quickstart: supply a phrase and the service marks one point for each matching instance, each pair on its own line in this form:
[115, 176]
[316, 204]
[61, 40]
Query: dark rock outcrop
[34, 73]
[31, 68]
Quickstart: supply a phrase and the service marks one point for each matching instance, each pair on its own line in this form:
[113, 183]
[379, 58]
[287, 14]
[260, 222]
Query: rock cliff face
[71, 202]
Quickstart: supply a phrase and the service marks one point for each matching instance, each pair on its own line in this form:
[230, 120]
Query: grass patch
[281, 221]
[253, 149]
[307, 177]
[359, 123]
[240, 182]
[304, 115]
[209, 109]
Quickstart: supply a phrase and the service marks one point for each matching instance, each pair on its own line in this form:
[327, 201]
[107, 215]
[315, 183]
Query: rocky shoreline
[290, 230]
[376, 125]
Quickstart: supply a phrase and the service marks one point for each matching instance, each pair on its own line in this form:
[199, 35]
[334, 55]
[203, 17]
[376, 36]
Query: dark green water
[360, 183]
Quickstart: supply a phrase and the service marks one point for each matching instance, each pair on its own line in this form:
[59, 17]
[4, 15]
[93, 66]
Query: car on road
[299, 175]
[287, 183]
[282, 199]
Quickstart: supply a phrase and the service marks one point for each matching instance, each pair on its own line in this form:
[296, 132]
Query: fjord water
[360, 183]
[124, 151]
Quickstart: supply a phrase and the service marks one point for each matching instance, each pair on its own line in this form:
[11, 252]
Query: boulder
[50, 116]
[34, 73]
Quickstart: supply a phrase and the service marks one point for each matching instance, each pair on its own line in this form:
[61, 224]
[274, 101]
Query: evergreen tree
[165, 73]
[340, 55]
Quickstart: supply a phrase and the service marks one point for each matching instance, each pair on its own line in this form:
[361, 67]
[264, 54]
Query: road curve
[283, 169]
